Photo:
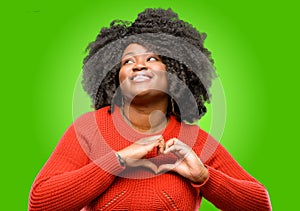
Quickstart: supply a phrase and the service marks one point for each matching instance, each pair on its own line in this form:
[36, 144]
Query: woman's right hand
[133, 154]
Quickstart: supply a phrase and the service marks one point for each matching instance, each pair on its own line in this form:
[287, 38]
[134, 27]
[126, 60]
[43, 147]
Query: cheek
[161, 71]
[162, 81]
[162, 67]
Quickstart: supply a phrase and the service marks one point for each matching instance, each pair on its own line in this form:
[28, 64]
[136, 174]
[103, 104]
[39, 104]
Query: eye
[153, 58]
[127, 61]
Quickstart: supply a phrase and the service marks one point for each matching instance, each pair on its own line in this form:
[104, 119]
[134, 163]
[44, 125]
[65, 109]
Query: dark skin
[144, 86]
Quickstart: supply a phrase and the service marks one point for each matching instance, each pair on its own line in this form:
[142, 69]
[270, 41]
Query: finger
[161, 146]
[170, 143]
[161, 139]
[179, 150]
[159, 143]
[176, 153]
[152, 141]
[175, 141]
[149, 144]
[175, 149]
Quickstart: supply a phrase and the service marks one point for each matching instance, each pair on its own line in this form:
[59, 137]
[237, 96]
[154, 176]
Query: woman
[148, 81]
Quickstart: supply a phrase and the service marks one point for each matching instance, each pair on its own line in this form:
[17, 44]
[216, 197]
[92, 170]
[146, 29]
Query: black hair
[190, 99]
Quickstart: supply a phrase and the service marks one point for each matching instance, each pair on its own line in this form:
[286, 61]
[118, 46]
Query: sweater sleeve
[229, 186]
[70, 179]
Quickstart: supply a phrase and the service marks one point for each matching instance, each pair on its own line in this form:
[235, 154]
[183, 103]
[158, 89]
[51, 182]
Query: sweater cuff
[197, 185]
[110, 163]
[214, 182]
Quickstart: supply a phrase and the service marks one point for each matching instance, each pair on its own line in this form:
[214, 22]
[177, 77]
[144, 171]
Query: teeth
[140, 78]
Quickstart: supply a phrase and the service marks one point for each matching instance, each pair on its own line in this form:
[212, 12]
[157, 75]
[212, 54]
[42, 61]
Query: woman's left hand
[188, 164]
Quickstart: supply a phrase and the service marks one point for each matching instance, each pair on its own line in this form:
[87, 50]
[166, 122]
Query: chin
[146, 94]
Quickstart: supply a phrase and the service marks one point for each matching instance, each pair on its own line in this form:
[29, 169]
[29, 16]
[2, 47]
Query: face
[142, 73]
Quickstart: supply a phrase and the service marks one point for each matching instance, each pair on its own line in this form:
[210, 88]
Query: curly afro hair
[181, 47]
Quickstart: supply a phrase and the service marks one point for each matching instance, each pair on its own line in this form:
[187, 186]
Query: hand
[133, 154]
[188, 164]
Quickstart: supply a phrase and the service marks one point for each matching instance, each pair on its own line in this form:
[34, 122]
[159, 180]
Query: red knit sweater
[83, 172]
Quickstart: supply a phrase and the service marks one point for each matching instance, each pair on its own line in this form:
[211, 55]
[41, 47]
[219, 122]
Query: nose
[139, 65]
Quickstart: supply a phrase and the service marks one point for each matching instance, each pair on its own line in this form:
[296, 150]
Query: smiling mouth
[140, 78]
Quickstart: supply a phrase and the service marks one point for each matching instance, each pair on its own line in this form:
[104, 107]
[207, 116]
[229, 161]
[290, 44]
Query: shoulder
[87, 123]
[86, 129]
[91, 117]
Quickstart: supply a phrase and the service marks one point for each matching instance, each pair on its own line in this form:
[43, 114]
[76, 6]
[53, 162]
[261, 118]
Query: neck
[148, 117]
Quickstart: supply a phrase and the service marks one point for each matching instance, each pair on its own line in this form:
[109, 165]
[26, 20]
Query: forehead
[135, 49]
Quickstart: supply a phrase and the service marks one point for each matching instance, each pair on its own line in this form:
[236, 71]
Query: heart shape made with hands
[166, 156]
[188, 164]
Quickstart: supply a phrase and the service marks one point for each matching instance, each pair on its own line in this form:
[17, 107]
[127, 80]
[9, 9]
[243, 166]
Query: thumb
[166, 167]
[147, 164]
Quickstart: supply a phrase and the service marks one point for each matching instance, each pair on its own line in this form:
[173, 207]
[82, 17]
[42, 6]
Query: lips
[140, 77]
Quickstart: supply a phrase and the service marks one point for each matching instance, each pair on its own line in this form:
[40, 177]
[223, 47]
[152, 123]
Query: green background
[255, 46]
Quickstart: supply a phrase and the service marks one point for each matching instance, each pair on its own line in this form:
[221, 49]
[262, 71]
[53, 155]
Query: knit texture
[83, 172]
